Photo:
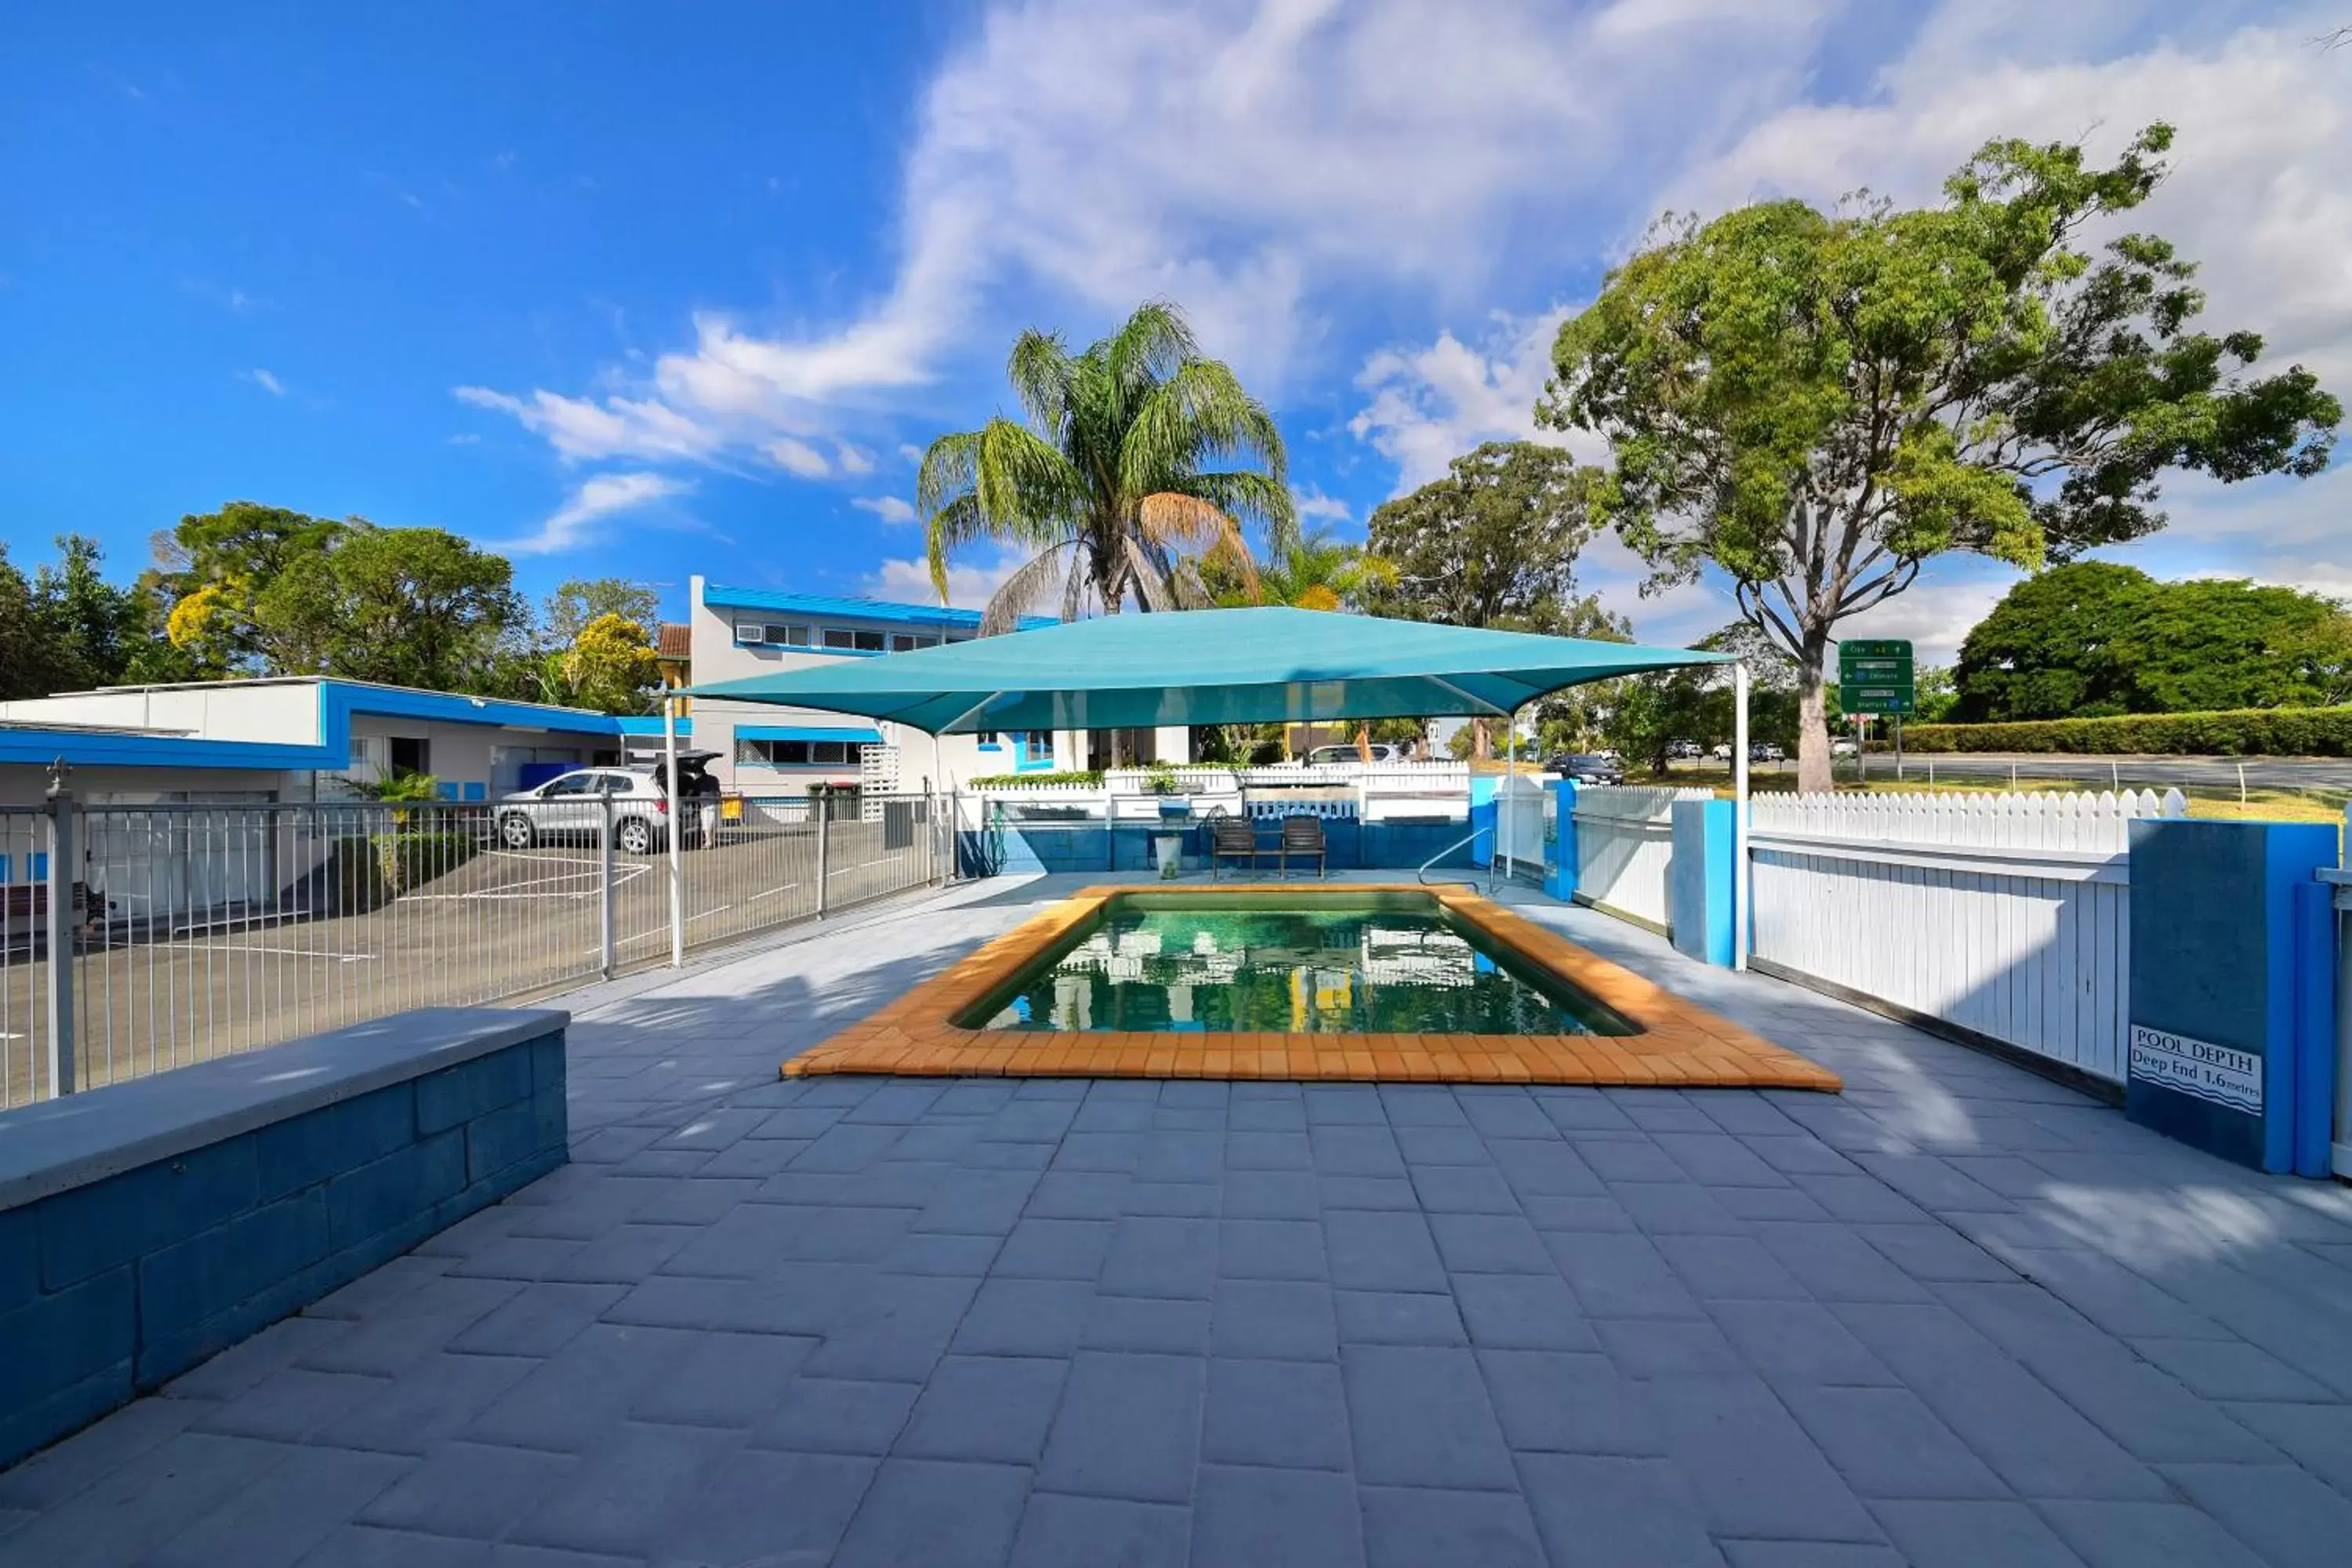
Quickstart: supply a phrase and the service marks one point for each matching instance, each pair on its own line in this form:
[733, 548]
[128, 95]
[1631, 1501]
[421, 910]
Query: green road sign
[1874, 675]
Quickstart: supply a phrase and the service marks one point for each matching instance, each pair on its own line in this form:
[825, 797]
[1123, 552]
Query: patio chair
[1231, 839]
[1302, 836]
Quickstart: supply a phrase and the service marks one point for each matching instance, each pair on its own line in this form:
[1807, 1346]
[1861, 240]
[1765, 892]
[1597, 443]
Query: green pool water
[1373, 963]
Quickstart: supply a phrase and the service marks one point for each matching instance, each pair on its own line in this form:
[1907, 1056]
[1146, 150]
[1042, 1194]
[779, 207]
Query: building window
[907, 642]
[411, 754]
[795, 754]
[776, 633]
[1038, 742]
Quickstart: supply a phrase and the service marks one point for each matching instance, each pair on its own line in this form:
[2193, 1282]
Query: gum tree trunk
[1813, 774]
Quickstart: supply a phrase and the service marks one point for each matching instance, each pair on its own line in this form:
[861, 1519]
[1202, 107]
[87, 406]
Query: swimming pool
[1321, 962]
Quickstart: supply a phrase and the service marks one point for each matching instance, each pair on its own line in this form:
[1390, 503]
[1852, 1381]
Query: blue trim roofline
[717, 595]
[339, 702]
[864, 734]
[638, 726]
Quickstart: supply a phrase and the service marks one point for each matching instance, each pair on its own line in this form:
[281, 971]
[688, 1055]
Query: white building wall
[280, 712]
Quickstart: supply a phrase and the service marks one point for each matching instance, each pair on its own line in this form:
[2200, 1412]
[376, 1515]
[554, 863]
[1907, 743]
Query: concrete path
[1956, 1316]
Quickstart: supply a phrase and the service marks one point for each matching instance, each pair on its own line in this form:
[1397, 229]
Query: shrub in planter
[406, 861]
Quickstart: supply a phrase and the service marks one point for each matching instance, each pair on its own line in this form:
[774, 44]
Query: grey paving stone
[837, 1415]
[1157, 1323]
[1418, 1528]
[1301, 1519]
[910, 1321]
[1079, 1195]
[2285, 1513]
[984, 1408]
[928, 1514]
[1602, 1511]
[1932, 1183]
[1025, 1317]
[1677, 1207]
[628, 1487]
[1271, 1195]
[1464, 1189]
[2110, 1295]
[1421, 1418]
[1454, 1145]
[1550, 1401]
[1102, 1115]
[977, 1203]
[1490, 1243]
[1128, 1426]
[1504, 1113]
[1749, 1115]
[1376, 1250]
[567, 1400]
[1189, 1157]
[2318, 1437]
[1291, 1413]
[1271, 1249]
[538, 1321]
[1247, 1150]
[1936, 1253]
[93, 1454]
[280, 1517]
[472, 1489]
[1886, 1443]
[1717, 1159]
[812, 1299]
[1574, 1111]
[1809, 1555]
[1835, 1265]
[1183, 1200]
[1859, 1197]
[1755, 1470]
[1629, 1159]
[1058, 1530]
[2229, 1369]
[1645, 1348]
[1354, 1151]
[1054, 1249]
[421, 1322]
[1548, 1213]
[241, 1366]
[1390, 1192]
[1730, 1268]
[624, 1254]
[765, 1506]
[1253, 1115]
[1154, 1255]
[1545, 1169]
[292, 1404]
[2035, 1441]
[1797, 1341]
[2144, 1535]
[1284, 1319]
[1522, 1312]
[1420, 1105]
[929, 1252]
[1620, 1275]
[846, 1149]
[365, 1546]
[1797, 1153]
[724, 1380]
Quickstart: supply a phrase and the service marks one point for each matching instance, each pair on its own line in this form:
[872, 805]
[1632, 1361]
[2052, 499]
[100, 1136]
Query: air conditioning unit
[751, 634]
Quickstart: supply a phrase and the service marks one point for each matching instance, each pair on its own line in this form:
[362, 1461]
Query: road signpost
[1875, 677]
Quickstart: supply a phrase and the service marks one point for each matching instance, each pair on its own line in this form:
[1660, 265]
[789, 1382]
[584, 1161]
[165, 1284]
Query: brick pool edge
[1681, 1044]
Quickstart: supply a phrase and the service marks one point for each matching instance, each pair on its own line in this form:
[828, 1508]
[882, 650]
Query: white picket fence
[2007, 915]
[1625, 847]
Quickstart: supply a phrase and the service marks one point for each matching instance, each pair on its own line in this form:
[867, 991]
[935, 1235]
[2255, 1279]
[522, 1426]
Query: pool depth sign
[1875, 676]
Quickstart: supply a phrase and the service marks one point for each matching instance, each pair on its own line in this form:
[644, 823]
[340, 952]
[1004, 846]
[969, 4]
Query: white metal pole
[1510, 791]
[677, 832]
[1740, 901]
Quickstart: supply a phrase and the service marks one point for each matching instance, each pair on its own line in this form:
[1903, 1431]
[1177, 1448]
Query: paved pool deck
[1958, 1315]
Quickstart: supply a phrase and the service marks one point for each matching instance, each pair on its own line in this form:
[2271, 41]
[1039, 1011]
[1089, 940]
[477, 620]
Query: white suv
[571, 806]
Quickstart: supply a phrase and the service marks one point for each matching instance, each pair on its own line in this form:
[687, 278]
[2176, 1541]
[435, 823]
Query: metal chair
[1302, 836]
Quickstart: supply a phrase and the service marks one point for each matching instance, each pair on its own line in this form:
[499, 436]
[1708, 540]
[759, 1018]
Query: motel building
[769, 751]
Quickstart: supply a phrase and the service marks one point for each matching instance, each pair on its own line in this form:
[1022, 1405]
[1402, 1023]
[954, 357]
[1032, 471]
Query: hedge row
[2240, 732]
[1090, 777]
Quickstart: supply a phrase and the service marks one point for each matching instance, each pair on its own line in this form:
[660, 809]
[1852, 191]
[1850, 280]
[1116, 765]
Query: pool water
[1325, 964]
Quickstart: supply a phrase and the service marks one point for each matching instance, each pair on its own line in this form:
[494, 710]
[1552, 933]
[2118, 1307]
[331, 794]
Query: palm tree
[1111, 482]
[1320, 573]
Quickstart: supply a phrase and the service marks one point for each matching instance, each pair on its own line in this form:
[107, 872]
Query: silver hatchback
[575, 805]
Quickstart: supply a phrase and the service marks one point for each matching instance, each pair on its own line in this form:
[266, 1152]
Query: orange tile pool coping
[1680, 1044]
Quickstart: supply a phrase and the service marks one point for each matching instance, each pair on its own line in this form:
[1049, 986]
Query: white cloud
[581, 430]
[910, 452]
[889, 509]
[1315, 506]
[853, 460]
[971, 584]
[1241, 156]
[267, 381]
[603, 496]
[797, 456]
[1431, 405]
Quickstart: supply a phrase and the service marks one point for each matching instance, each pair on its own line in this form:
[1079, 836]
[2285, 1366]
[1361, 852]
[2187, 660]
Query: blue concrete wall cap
[56, 1146]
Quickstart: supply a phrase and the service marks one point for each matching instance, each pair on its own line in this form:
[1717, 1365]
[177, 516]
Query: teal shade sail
[1204, 667]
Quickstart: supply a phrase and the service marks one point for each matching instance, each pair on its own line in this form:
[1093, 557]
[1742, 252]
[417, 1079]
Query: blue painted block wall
[1020, 848]
[1699, 889]
[110, 1290]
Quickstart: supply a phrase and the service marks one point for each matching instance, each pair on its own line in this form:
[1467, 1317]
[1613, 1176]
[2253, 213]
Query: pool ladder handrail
[1421, 875]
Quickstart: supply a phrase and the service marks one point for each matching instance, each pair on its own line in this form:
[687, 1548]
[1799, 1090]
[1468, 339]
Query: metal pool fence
[138, 939]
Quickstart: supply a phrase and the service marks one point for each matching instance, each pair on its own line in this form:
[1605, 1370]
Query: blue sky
[654, 291]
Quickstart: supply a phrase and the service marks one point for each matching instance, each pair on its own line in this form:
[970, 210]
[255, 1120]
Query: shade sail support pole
[677, 832]
[1742, 874]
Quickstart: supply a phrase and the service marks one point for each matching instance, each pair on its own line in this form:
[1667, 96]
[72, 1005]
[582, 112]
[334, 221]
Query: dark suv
[1587, 767]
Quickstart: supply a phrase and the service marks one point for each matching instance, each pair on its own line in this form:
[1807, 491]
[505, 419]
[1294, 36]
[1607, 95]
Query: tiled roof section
[676, 641]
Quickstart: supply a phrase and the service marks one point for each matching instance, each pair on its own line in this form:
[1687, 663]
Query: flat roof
[719, 596]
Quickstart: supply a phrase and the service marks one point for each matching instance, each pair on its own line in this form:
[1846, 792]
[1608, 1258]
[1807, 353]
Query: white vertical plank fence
[2005, 915]
[1519, 821]
[1625, 846]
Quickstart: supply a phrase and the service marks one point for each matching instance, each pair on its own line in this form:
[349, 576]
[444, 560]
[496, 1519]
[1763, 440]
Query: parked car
[1843, 746]
[1722, 753]
[1383, 751]
[1587, 767]
[1765, 752]
[1684, 751]
[570, 807]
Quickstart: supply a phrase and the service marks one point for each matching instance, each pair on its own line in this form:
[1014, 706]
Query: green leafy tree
[1493, 543]
[99, 628]
[408, 606]
[1817, 403]
[610, 666]
[32, 661]
[579, 600]
[212, 569]
[1113, 483]
[2093, 639]
[1935, 693]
